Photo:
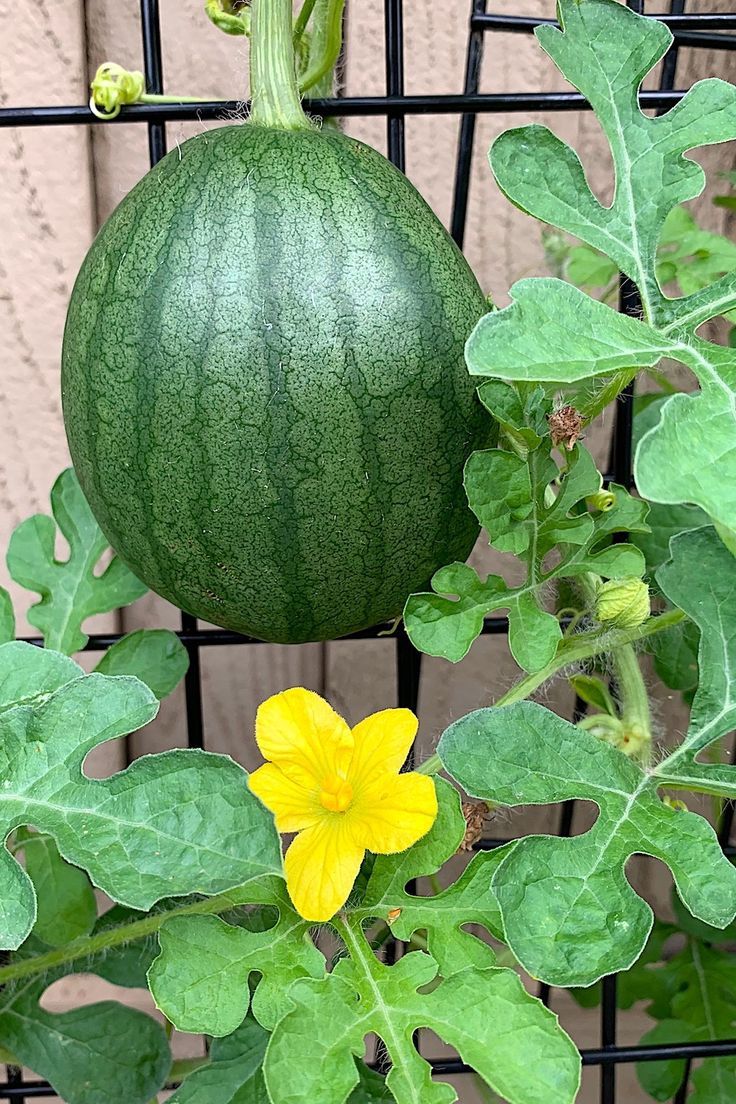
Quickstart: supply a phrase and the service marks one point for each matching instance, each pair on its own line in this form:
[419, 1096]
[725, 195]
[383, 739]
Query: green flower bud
[623, 603]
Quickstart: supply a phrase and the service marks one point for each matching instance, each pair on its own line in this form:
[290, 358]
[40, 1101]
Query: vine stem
[575, 650]
[325, 46]
[634, 701]
[90, 945]
[274, 89]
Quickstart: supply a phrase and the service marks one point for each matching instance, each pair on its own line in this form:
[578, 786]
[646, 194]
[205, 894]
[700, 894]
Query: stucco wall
[59, 183]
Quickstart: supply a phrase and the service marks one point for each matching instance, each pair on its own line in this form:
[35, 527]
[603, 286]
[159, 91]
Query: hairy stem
[274, 91]
[87, 946]
[326, 43]
[633, 700]
[575, 650]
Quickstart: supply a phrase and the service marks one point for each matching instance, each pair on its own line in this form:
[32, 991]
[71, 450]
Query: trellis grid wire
[689, 30]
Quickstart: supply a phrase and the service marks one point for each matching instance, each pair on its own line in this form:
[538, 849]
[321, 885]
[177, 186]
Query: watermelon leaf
[66, 904]
[530, 507]
[485, 1014]
[554, 333]
[102, 1051]
[200, 979]
[568, 912]
[443, 916]
[583, 919]
[70, 589]
[234, 1074]
[7, 617]
[207, 834]
[700, 982]
[155, 656]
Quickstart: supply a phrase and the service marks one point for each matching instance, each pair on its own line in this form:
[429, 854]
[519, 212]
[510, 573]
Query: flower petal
[393, 814]
[382, 743]
[302, 733]
[294, 806]
[321, 866]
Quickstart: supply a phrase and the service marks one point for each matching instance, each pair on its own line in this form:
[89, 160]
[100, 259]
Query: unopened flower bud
[623, 603]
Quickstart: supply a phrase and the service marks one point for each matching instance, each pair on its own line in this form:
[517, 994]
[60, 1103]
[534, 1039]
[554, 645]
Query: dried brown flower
[476, 815]
[565, 426]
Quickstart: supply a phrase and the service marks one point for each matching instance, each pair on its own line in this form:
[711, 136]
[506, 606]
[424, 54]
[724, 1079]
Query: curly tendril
[230, 16]
[114, 86]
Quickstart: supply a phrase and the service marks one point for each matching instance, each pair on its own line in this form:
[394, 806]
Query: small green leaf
[7, 617]
[533, 632]
[568, 912]
[66, 903]
[234, 1074]
[100, 1052]
[155, 656]
[447, 627]
[206, 834]
[593, 691]
[70, 590]
[200, 979]
[499, 491]
[523, 422]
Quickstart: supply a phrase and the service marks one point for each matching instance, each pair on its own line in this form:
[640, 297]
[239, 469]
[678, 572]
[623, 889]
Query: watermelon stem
[274, 89]
[325, 46]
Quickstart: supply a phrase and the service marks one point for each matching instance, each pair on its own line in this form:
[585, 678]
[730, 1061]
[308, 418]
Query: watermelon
[264, 388]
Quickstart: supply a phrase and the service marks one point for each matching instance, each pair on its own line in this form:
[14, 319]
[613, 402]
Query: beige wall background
[58, 185]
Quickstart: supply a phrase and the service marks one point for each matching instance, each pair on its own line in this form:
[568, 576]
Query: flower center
[336, 794]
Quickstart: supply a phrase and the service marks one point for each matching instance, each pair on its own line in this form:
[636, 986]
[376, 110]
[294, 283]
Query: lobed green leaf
[70, 589]
[170, 824]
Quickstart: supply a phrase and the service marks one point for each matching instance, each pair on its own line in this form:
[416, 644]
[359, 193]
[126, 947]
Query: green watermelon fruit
[264, 387]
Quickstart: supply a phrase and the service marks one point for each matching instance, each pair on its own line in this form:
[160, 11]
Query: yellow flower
[340, 790]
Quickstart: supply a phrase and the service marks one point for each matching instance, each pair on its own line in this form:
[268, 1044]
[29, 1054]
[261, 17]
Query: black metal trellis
[692, 31]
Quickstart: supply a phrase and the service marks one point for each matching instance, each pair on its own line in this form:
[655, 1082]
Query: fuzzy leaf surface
[66, 904]
[200, 978]
[70, 590]
[568, 912]
[554, 333]
[485, 1014]
[170, 824]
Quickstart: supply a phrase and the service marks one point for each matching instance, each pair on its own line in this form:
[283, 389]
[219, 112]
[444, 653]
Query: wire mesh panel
[708, 31]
